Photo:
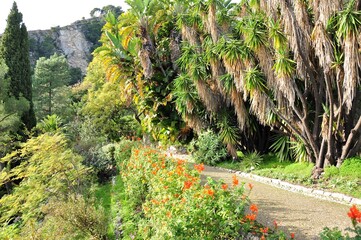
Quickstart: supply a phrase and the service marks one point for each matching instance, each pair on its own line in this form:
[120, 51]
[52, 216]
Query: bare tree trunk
[345, 150]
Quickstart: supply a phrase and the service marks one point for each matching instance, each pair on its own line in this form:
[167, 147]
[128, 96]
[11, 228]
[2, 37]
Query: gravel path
[294, 212]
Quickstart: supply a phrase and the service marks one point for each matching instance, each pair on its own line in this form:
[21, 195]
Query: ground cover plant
[345, 179]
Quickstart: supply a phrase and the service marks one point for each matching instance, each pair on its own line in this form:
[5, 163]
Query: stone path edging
[317, 193]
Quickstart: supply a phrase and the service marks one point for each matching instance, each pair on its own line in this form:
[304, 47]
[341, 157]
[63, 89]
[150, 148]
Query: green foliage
[351, 168]
[50, 75]
[48, 169]
[101, 160]
[73, 218]
[75, 75]
[281, 148]
[208, 148]
[123, 150]
[42, 47]
[331, 171]
[331, 234]
[11, 110]
[14, 50]
[50, 124]
[251, 161]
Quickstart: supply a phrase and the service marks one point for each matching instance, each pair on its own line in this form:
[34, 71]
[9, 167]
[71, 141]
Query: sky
[44, 14]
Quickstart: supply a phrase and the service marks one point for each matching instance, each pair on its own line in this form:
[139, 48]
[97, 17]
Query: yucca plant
[255, 80]
[284, 66]
[281, 148]
[251, 161]
[299, 152]
[276, 34]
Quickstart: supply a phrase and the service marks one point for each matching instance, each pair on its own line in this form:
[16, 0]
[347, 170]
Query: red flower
[264, 230]
[275, 224]
[224, 186]
[354, 214]
[187, 184]
[292, 235]
[235, 180]
[253, 208]
[199, 167]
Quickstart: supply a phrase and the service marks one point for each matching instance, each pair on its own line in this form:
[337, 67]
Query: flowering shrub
[335, 233]
[168, 201]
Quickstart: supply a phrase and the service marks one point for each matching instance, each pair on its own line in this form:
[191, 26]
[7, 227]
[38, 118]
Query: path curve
[294, 212]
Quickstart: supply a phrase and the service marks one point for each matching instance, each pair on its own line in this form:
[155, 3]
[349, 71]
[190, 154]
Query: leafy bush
[49, 169]
[351, 168]
[208, 148]
[101, 159]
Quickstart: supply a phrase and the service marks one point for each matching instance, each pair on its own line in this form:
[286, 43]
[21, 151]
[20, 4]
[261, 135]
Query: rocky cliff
[75, 41]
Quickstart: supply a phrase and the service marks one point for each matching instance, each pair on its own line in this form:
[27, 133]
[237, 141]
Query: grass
[108, 196]
[346, 179]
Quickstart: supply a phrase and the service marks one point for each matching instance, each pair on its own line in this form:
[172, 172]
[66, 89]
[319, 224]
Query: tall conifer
[14, 49]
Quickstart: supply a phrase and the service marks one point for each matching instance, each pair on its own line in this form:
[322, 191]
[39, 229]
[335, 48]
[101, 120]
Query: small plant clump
[208, 149]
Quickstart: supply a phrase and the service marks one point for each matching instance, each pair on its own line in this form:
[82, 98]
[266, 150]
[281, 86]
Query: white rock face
[75, 47]
[68, 40]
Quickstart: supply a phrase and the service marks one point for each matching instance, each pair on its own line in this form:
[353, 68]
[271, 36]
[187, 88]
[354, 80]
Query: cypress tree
[14, 49]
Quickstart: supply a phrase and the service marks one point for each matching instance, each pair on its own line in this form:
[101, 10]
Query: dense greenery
[14, 49]
[263, 86]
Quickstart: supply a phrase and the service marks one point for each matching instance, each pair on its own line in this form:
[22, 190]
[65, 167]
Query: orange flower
[235, 180]
[292, 235]
[251, 217]
[354, 214]
[263, 238]
[169, 214]
[250, 185]
[187, 185]
[210, 192]
[224, 186]
[253, 208]
[199, 167]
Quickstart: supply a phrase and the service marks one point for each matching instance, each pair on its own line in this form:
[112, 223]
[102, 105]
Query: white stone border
[317, 193]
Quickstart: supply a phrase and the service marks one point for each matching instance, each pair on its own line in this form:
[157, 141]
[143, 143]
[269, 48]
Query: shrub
[351, 168]
[75, 218]
[208, 148]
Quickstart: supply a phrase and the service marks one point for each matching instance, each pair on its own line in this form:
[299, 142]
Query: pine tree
[14, 49]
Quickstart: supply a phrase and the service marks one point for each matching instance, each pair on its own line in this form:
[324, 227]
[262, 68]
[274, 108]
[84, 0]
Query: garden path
[294, 212]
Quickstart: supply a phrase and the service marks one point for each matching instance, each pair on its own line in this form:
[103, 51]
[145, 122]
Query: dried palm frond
[190, 34]
[212, 22]
[240, 109]
[351, 70]
[323, 47]
[146, 63]
[211, 100]
[323, 10]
